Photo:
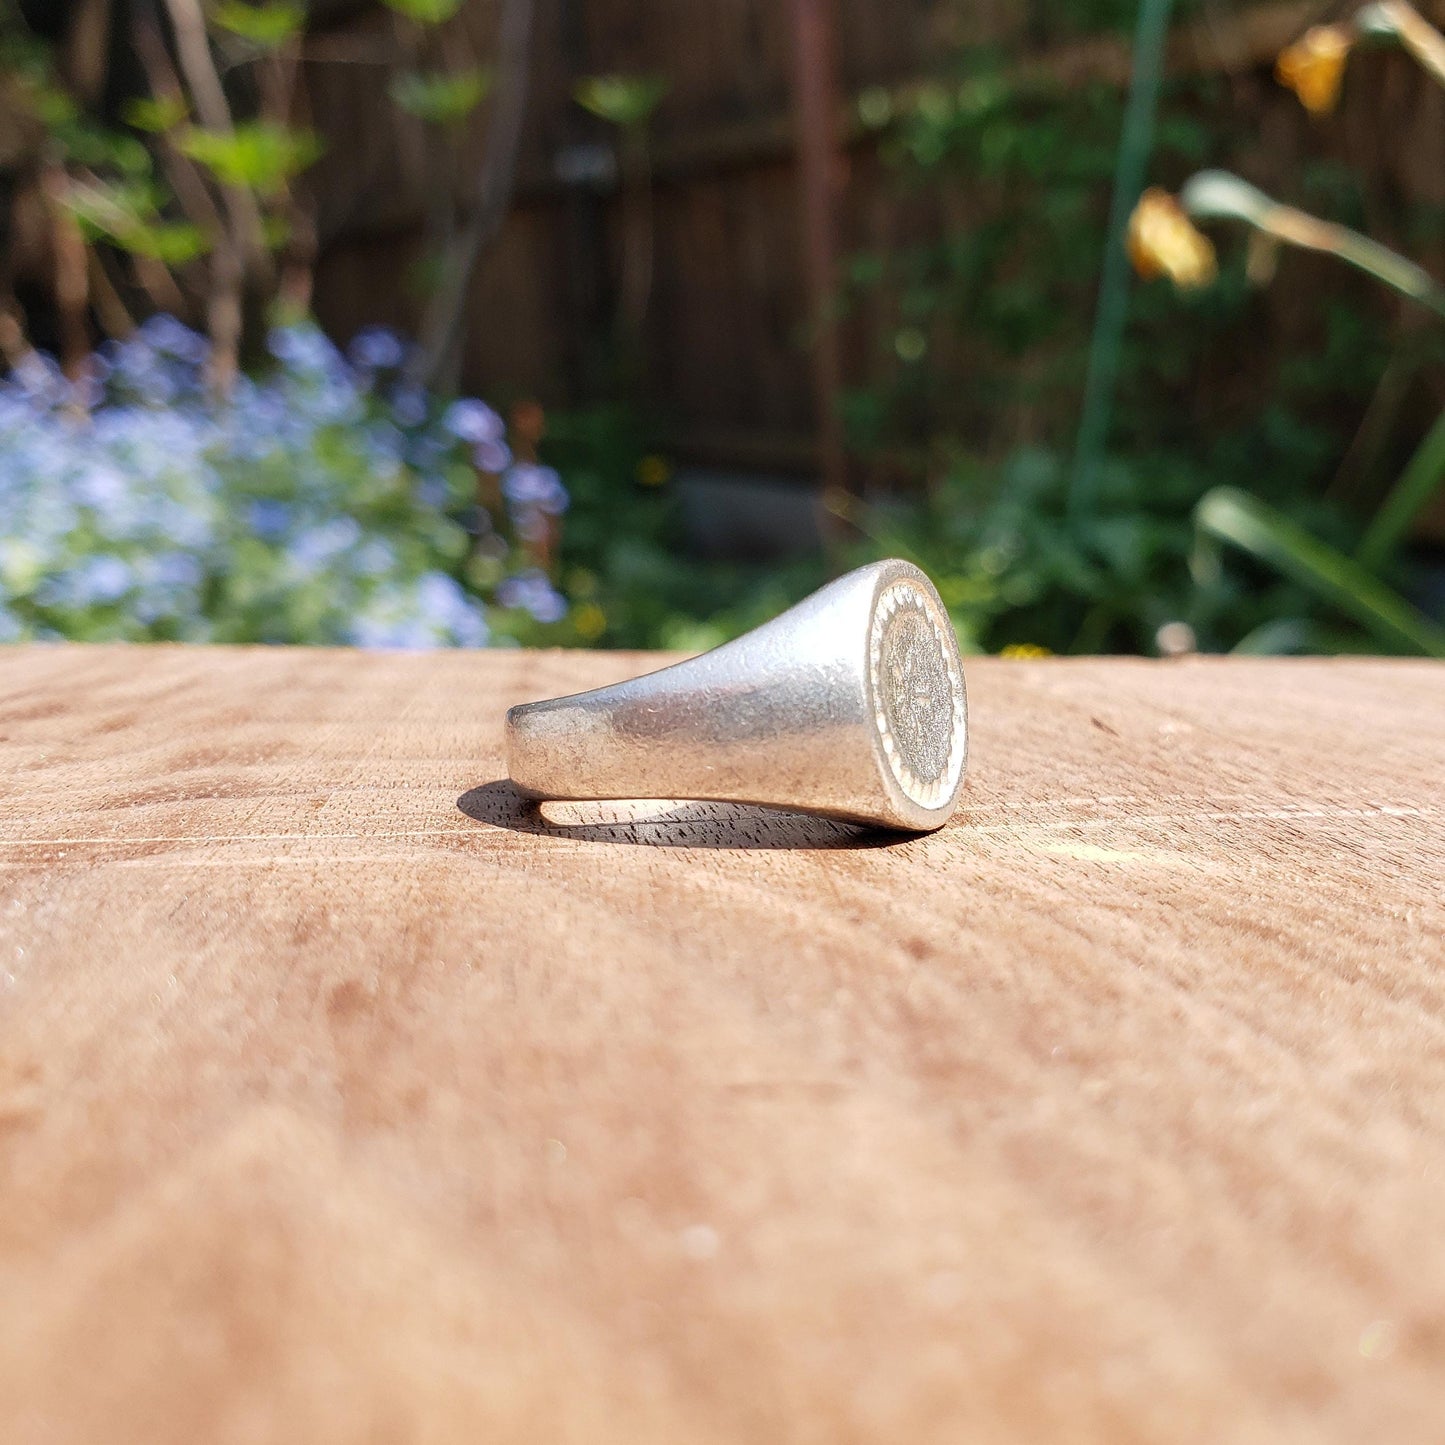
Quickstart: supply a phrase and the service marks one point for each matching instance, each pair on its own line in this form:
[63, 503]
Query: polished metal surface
[850, 704]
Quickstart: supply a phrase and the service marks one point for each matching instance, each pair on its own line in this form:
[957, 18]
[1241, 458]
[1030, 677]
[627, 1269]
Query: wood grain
[344, 1099]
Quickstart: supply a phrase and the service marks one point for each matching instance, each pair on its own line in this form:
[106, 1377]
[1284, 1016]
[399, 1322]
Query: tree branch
[437, 356]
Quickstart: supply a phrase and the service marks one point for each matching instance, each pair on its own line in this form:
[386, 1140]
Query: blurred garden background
[626, 323]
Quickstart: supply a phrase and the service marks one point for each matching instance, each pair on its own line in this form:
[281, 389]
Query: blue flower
[378, 633]
[408, 405]
[528, 485]
[269, 519]
[491, 456]
[442, 603]
[376, 348]
[304, 349]
[129, 506]
[98, 581]
[427, 451]
[101, 486]
[385, 445]
[87, 391]
[533, 592]
[319, 545]
[40, 380]
[176, 569]
[167, 334]
[475, 519]
[436, 611]
[470, 420]
[375, 557]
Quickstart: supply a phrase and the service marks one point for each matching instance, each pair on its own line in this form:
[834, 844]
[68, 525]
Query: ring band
[851, 704]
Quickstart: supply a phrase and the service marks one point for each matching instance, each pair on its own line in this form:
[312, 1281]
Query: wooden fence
[726, 344]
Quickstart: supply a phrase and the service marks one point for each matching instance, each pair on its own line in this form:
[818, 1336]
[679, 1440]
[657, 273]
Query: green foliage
[1229, 515]
[1341, 584]
[623, 565]
[1015, 571]
[443, 97]
[128, 214]
[265, 26]
[1002, 302]
[1060, 21]
[986, 325]
[276, 231]
[425, 12]
[155, 116]
[626, 101]
[261, 155]
[74, 135]
[1418, 486]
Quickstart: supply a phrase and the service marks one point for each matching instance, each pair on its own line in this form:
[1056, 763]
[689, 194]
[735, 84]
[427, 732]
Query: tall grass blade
[1407, 499]
[1235, 517]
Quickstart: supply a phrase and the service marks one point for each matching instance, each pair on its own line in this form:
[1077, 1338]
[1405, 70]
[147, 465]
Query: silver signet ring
[850, 704]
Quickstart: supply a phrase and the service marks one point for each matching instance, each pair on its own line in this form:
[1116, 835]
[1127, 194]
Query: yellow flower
[590, 621]
[1163, 241]
[1025, 649]
[1314, 66]
[653, 471]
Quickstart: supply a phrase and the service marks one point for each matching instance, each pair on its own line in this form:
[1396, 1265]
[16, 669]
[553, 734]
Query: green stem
[1407, 499]
[1129, 169]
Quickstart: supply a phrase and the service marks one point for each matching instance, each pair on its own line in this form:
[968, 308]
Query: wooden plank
[726, 335]
[729, 132]
[1219, 45]
[342, 1099]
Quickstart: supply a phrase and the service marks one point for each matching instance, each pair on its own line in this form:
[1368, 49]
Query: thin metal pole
[820, 174]
[1134, 146]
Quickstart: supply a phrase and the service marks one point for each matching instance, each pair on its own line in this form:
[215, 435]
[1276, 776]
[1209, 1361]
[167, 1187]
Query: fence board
[726, 339]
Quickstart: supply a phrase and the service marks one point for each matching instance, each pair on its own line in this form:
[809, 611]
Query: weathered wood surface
[344, 1100]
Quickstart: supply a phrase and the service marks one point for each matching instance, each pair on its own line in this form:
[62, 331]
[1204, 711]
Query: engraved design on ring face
[917, 693]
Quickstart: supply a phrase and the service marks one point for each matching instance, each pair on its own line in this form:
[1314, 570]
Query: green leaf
[107, 208]
[52, 106]
[1407, 499]
[80, 138]
[260, 155]
[276, 231]
[172, 243]
[1253, 526]
[154, 115]
[267, 25]
[106, 149]
[426, 12]
[440, 97]
[624, 100]
[1281, 637]
[875, 107]
[128, 215]
[22, 565]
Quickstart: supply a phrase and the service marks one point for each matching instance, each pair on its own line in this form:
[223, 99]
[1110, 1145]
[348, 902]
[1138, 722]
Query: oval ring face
[918, 696]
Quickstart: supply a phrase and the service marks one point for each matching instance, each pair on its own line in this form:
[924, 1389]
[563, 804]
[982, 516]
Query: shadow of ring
[666, 823]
